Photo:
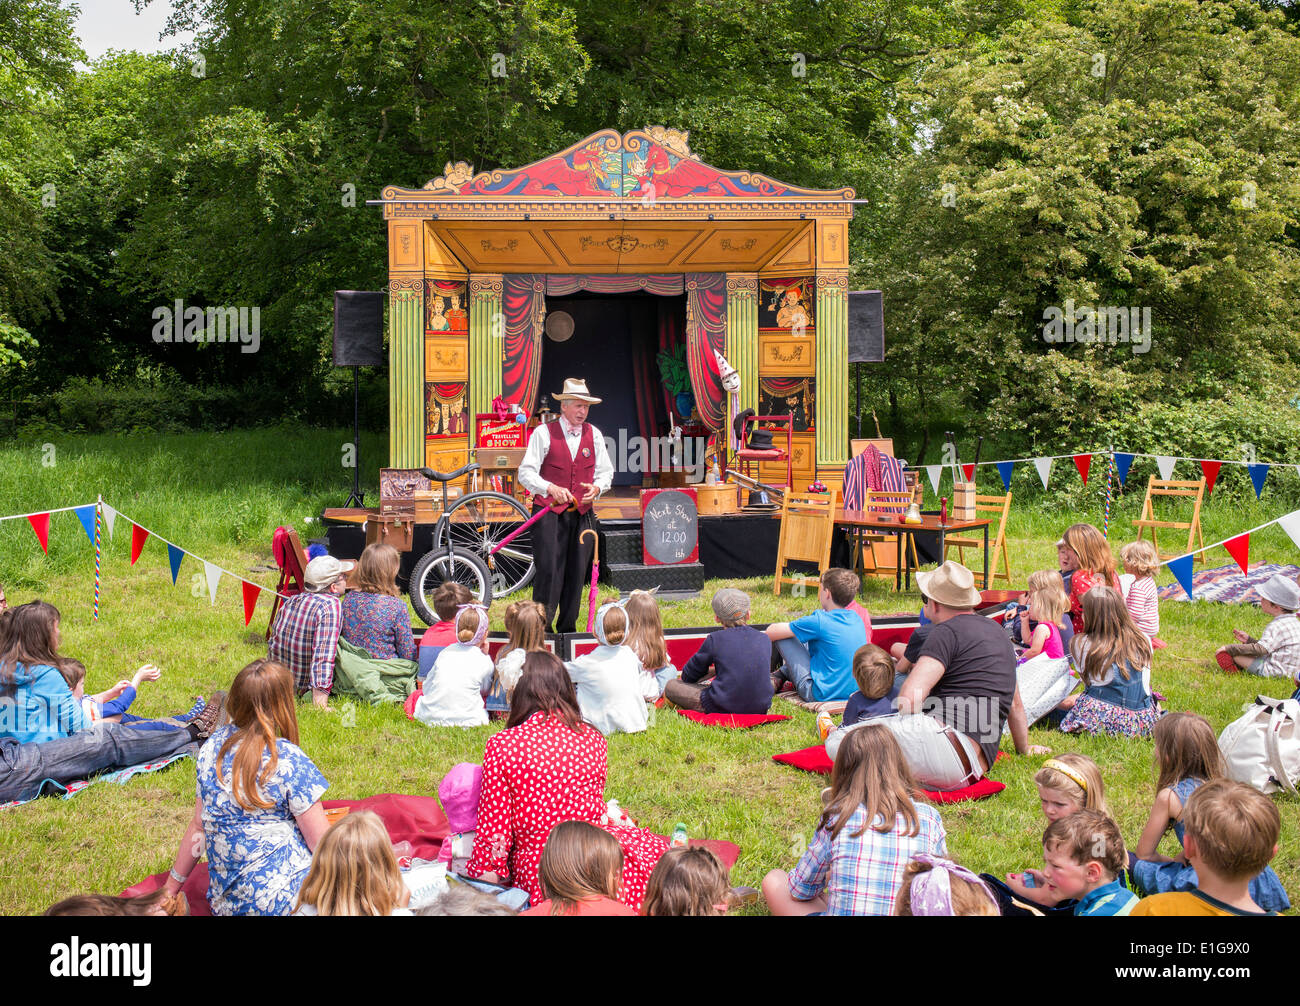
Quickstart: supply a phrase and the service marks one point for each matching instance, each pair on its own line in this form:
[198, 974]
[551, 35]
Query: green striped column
[832, 367]
[487, 327]
[406, 372]
[742, 334]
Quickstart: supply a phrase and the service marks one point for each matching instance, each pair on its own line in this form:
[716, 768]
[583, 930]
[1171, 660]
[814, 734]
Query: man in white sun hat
[1276, 654]
[566, 464]
[953, 704]
[305, 637]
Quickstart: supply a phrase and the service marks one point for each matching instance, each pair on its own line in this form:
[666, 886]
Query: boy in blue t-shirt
[818, 649]
[1083, 858]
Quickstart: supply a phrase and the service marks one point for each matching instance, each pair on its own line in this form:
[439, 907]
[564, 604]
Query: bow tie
[574, 431]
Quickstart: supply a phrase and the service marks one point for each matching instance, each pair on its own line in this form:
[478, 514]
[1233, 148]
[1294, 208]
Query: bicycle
[463, 539]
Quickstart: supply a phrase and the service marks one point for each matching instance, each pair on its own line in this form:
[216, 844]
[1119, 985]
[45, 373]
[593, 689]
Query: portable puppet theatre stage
[647, 250]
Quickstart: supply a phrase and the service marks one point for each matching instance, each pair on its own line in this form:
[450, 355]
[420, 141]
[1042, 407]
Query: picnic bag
[1262, 748]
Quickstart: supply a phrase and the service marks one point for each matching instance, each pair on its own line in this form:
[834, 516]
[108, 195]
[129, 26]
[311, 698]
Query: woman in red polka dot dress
[548, 766]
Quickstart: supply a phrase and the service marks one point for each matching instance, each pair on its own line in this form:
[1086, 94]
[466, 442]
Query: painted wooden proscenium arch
[633, 204]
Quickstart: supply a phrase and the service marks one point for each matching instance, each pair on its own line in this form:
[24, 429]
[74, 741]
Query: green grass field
[221, 496]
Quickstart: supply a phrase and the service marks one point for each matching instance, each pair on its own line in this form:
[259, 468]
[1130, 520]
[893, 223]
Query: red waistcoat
[557, 467]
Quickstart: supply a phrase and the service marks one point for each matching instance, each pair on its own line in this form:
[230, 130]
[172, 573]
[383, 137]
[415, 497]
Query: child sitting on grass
[1083, 859]
[1188, 758]
[611, 692]
[737, 655]
[687, 880]
[933, 885]
[1040, 622]
[580, 872]
[873, 671]
[1276, 654]
[447, 600]
[354, 872]
[113, 709]
[870, 830]
[645, 637]
[453, 692]
[1066, 785]
[1138, 584]
[525, 623]
[817, 649]
[1231, 833]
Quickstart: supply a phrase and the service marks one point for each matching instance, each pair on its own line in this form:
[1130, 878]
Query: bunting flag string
[97, 517]
[1238, 546]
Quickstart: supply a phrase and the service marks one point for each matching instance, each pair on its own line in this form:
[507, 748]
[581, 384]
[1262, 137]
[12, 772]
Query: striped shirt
[306, 639]
[1141, 603]
[1281, 639]
[862, 875]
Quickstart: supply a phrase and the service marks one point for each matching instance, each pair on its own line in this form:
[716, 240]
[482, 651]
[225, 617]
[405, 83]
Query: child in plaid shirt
[1276, 654]
[868, 833]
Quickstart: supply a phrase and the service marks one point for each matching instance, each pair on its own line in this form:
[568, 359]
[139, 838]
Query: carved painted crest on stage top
[647, 164]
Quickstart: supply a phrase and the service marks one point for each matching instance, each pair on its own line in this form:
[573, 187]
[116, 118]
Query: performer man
[566, 462]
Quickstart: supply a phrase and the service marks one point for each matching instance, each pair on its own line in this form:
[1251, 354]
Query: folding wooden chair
[807, 526]
[291, 557]
[987, 506]
[1173, 487]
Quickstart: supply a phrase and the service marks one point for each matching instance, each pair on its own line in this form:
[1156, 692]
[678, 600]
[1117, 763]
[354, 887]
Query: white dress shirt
[540, 443]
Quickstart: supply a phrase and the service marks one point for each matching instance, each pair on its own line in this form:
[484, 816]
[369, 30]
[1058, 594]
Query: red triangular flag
[251, 590]
[1239, 549]
[1210, 469]
[138, 536]
[969, 471]
[41, 525]
[1083, 462]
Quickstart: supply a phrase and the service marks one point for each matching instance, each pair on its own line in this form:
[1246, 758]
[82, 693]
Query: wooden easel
[807, 526]
[1173, 487]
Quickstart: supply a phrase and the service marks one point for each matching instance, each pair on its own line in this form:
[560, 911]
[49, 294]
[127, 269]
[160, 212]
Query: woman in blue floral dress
[258, 809]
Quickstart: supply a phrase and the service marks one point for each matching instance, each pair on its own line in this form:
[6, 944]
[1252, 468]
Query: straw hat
[952, 585]
[1282, 591]
[575, 389]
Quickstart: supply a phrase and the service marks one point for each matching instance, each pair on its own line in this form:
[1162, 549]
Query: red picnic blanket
[815, 759]
[740, 721]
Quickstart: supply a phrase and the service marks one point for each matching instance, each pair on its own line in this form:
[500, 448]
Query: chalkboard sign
[670, 527]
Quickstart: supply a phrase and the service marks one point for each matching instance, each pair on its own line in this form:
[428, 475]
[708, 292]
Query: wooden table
[883, 523]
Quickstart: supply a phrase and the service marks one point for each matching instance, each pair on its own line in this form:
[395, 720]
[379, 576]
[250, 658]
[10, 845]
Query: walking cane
[595, 575]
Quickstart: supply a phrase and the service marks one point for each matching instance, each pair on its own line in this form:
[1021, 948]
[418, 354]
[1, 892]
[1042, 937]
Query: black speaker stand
[357, 499]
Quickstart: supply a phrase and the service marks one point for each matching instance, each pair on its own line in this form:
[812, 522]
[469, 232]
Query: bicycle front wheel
[479, 521]
[437, 567]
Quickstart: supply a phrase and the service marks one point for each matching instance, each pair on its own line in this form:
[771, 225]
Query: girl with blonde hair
[258, 811]
[1113, 658]
[869, 830]
[354, 871]
[376, 619]
[645, 637]
[525, 623]
[612, 692]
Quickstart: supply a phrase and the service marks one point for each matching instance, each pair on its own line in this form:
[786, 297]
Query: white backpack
[1262, 747]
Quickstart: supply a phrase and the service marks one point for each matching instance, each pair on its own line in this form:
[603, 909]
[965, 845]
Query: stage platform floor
[619, 504]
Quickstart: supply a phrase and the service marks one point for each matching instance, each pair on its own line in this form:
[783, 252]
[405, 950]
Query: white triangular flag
[1297, 469]
[934, 471]
[1166, 466]
[1291, 525]
[1044, 466]
[110, 515]
[213, 573]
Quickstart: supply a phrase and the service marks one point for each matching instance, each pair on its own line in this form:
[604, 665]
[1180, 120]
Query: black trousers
[563, 566]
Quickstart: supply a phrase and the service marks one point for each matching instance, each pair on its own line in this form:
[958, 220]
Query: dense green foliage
[1015, 157]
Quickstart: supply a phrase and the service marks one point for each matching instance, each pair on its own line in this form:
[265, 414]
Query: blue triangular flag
[1004, 469]
[1122, 462]
[1182, 570]
[86, 514]
[1258, 473]
[174, 556]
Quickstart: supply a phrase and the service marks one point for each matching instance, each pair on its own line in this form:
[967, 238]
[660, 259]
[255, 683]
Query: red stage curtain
[523, 301]
[706, 323]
